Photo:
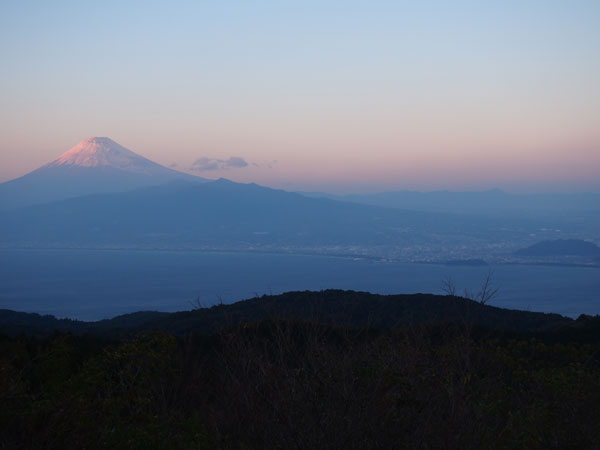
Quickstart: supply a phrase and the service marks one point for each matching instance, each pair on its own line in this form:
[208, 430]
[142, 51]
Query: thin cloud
[206, 164]
[234, 161]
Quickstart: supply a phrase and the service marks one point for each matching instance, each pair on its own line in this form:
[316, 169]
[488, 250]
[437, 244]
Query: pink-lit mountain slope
[95, 165]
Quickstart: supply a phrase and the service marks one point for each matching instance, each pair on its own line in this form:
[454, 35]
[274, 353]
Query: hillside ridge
[331, 307]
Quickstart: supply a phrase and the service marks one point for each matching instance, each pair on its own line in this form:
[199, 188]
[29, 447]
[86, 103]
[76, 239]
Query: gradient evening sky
[314, 95]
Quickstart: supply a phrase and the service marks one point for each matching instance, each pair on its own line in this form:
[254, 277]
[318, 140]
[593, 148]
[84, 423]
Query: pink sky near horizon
[533, 170]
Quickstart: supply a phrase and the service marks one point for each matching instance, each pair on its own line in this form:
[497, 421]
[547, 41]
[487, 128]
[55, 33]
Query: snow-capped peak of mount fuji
[104, 152]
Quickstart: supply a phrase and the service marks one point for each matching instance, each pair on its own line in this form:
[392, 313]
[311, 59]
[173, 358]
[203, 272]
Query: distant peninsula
[562, 247]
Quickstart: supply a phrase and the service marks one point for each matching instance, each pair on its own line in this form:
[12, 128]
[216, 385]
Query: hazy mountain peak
[103, 152]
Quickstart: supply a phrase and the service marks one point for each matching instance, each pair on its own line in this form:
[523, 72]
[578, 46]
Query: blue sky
[343, 95]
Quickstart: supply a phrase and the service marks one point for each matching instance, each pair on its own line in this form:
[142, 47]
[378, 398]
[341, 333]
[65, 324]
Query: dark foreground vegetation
[304, 383]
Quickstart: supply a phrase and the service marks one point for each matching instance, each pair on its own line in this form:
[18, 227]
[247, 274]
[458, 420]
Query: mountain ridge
[493, 202]
[332, 306]
[222, 212]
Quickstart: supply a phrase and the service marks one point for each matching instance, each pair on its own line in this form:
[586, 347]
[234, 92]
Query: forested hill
[497, 379]
[329, 307]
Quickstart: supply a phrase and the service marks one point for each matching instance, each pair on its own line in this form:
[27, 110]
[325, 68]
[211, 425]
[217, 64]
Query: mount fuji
[95, 165]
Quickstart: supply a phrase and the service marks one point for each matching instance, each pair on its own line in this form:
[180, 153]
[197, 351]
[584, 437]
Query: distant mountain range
[492, 202]
[100, 194]
[221, 212]
[95, 165]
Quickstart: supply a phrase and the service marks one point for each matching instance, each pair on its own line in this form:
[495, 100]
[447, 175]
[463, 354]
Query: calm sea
[95, 284]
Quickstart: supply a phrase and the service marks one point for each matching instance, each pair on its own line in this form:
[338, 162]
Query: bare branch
[197, 304]
[448, 286]
[487, 291]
